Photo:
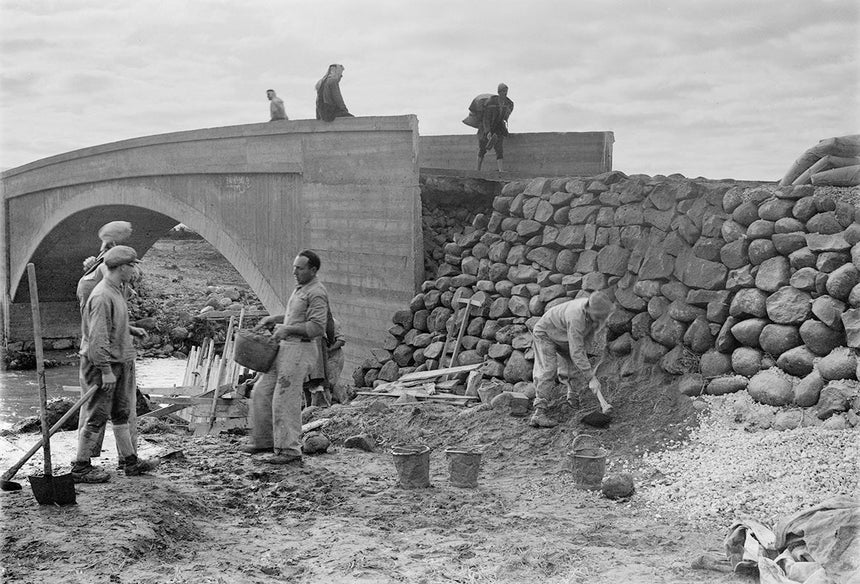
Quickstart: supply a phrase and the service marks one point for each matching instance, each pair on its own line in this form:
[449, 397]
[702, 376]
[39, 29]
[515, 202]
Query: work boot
[284, 457]
[539, 419]
[87, 473]
[251, 449]
[135, 466]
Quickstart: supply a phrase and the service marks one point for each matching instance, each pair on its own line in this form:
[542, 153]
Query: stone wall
[733, 284]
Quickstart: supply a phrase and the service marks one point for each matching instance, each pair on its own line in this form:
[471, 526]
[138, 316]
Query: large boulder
[699, 336]
[726, 384]
[517, 368]
[851, 322]
[840, 363]
[773, 274]
[842, 280]
[828, 310]
[746, 361]
[749, 302]
[798, 361]
[808, 389]
[789, 306]
[698, 273]
[776, 339]
[771, 387]
[820, 338]
[747, 332]
[713, 363]
[804, 279]
[836, 398]
[667, 331]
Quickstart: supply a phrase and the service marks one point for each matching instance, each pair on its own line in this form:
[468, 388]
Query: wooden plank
[438, 396]
[165, 411]
[420, 375]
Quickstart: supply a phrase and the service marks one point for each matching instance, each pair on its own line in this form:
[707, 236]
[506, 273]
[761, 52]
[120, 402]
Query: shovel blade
[53, 490]
[596, 419]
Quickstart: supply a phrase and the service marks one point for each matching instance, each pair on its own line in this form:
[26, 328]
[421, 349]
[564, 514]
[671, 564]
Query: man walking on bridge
[276, 106]
[276, 400]
[494, 126]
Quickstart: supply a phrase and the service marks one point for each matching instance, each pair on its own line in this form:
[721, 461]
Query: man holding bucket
[562, 337]
[276, 401]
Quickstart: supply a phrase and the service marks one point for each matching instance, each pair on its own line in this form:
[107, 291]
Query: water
[19, 390]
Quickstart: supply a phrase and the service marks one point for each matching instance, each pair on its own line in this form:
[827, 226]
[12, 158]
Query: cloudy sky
[714, 88]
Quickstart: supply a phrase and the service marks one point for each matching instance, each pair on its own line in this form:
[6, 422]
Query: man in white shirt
[276, 106]
[562, 339]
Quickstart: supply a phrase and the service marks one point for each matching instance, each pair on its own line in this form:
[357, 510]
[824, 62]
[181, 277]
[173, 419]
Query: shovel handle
[17, 466]
[40, 365]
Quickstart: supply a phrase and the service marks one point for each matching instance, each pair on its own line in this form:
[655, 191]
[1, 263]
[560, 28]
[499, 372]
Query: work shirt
[276, 106]
[308, 304]
[105, 334]
[569, 324]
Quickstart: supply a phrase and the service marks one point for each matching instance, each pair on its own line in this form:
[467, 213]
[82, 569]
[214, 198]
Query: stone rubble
[755, 282]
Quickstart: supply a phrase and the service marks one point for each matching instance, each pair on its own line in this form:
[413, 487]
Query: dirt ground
[211, 514]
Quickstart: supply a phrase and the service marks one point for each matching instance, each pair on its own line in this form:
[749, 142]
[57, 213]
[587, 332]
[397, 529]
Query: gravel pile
[724, 471]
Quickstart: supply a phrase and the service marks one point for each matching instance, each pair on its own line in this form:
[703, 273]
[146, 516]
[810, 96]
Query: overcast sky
[714, 88]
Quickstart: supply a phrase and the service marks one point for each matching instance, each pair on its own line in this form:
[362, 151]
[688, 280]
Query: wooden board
[420, 375]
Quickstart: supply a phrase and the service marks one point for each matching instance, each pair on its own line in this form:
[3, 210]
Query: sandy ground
[213, 514]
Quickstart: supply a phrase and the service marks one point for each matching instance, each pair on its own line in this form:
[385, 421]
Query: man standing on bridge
[494, 126]
[563, 338]
[276, 400]
[276, 106]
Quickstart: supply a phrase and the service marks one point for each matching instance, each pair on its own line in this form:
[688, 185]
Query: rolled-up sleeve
[317, 314]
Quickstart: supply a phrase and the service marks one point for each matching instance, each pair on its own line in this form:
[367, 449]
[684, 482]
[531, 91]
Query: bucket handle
[592, 442]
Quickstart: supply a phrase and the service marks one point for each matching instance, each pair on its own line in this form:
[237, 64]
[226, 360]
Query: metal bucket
[255, 351]
[412, 462]
[463, 467]
[587, 462]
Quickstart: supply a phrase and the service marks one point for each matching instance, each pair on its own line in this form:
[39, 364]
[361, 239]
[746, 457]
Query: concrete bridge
[258, 193]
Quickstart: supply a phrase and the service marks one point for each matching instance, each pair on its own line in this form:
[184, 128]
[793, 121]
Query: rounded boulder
[771, 387]
[746, 361]
[788, 305]
[840, 363]
[617, 486]
[776, 339]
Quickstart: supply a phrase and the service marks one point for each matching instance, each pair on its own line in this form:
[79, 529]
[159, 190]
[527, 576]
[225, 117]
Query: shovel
[48, 489]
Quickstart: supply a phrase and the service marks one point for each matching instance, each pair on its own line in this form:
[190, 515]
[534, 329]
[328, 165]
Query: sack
[476, 109]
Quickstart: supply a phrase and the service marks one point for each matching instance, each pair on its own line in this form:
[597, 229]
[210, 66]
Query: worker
[562, 340]
[276, 106]
[107, 361]
[494, 126]
[276, 401]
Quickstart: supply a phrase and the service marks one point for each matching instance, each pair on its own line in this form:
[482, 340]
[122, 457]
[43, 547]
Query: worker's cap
[119, 256]
[600, 303]
[115, 231]
[502, 87]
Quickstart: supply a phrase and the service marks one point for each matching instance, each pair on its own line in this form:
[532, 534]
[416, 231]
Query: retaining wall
[739, 286]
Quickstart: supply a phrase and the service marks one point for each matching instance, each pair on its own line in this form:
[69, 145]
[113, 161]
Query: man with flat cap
[107, 361]
[563, 338]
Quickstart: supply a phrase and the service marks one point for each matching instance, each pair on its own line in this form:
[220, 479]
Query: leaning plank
[419, 375]
[436, 397]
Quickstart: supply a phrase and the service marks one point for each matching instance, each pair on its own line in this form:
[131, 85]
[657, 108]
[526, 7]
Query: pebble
[724, 471]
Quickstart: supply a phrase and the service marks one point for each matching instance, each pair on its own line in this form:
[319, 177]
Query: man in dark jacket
[329, 100]
[494, 126]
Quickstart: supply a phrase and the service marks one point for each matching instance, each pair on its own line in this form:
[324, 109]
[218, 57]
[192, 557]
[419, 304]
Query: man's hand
[265, 322]
[594, 385]
[137, 331]
[280, 332]
[108, 381]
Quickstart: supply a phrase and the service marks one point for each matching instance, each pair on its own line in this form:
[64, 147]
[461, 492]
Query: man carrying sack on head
[562, 337]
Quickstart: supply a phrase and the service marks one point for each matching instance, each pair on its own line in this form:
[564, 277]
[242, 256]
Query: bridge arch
[258, 193]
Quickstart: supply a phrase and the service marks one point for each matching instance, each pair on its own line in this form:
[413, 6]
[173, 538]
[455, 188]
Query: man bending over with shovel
[561, 338]
[107, 360]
